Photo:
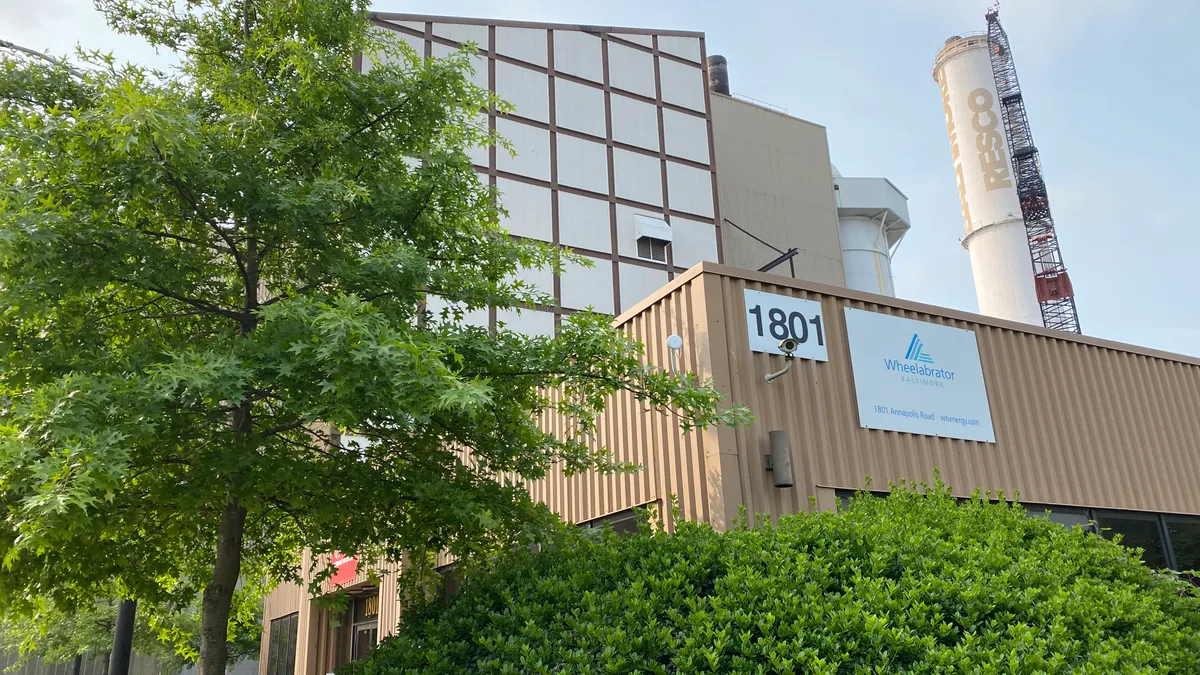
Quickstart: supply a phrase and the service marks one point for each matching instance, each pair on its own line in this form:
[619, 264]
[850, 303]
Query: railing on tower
[1054, 291]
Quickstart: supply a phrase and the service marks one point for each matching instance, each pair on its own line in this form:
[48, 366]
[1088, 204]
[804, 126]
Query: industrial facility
[727, 243]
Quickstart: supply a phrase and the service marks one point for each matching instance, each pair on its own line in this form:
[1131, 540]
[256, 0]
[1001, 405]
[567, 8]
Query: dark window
[652, 249]
[1067, 516]
[364, 625]
[1185, 541]
[451, 582]
[1137, 530]
[844, 496]
[621, 522]
[281, 647]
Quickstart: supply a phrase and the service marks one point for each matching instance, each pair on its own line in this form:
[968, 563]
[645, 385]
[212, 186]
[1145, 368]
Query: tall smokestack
[718, 74]
[992, 218]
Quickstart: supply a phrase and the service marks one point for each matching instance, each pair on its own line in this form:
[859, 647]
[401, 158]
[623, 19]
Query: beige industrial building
[1092, 430]
[860, 384]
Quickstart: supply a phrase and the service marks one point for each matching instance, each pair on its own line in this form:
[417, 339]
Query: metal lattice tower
[1054, 291]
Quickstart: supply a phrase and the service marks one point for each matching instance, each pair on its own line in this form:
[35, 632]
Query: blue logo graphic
[916, 351]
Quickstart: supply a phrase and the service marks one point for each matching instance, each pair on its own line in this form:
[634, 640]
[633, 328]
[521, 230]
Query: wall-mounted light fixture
[674, 346]
[779, 461]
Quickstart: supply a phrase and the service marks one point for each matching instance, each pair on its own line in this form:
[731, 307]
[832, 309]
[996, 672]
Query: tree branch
[188, 197]
[193, 302]
[5, 44]
[180, 238]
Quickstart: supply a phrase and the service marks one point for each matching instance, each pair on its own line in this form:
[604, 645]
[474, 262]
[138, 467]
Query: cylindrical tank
[718, 74]
[865, 255]
[995, 230]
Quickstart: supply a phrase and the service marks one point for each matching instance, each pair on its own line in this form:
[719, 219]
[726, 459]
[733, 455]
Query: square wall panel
[480, 155]
[479, 64]
[463, 33]
[634, 122]
[685, 136]
[582, 164]
[583, 222]
[529, 213]
[527, 90]
[541, 279]
[532, 146]
[636, 38]
[682, 85]
[638, 282]
[436, 305]
[579, 107]
[584, 287]
[393, 56]
[637, 177]
[627, 228]
[418, 26]
[694, 242]
[526, 321]
[631, 69]
[685, 47]
[578, 53]
[689, 189]
[526, 44]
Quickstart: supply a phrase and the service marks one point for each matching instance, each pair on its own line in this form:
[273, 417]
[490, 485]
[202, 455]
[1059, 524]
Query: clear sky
[1110, 86]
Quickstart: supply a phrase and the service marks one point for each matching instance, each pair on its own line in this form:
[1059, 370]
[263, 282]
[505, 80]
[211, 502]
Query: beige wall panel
[775, 181]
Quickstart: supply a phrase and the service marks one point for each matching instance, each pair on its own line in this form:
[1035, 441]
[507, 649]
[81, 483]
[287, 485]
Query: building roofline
[392, 16]
[824, 289]
[765, 107]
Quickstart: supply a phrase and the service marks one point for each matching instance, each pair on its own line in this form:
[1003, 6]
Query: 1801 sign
[771, 318]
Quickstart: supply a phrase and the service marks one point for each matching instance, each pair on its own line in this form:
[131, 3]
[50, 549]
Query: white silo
[872, 219]
[995, 231]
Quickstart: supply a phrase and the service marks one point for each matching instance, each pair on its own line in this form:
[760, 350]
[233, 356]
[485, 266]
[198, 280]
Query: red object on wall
[1053, 286]
[345, 568]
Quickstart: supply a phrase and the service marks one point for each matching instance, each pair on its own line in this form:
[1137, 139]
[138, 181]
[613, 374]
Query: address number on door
[771, 317]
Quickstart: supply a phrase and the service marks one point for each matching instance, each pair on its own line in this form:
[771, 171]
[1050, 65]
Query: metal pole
[77, 666]
[118, 661]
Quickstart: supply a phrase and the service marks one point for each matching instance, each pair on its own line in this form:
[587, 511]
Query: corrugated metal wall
[1078, 421]
[674, 464]
[321, 648]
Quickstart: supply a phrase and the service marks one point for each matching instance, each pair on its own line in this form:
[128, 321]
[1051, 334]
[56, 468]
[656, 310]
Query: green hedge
[912, 583]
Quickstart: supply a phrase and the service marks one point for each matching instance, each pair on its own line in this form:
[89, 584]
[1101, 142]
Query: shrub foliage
[912, 583]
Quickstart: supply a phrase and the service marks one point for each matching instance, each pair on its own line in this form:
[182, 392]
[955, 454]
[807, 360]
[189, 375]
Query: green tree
[913, 583]
[205, 273]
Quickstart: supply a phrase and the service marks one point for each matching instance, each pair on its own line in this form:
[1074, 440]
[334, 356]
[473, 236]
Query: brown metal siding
[673, 463]
[1078, 421]
[319, 648]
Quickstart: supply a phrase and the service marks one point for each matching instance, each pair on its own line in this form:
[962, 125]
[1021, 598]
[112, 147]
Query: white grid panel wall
[607, 124]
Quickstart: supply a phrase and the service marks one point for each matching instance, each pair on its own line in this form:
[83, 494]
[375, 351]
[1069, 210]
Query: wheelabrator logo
[915, 371]
[916, 351]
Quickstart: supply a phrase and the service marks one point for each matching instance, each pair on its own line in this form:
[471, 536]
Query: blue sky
[1110, 89]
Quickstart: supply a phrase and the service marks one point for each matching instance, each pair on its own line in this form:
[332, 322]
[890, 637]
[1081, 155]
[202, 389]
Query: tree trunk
[122, 651]
[218, 596]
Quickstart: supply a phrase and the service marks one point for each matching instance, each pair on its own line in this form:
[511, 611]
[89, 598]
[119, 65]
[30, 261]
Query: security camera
[789, 346]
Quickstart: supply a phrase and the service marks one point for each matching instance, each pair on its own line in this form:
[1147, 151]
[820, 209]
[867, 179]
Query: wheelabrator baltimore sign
[917, 377]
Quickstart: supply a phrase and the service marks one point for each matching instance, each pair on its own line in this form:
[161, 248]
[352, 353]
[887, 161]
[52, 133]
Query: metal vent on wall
[652, 249]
